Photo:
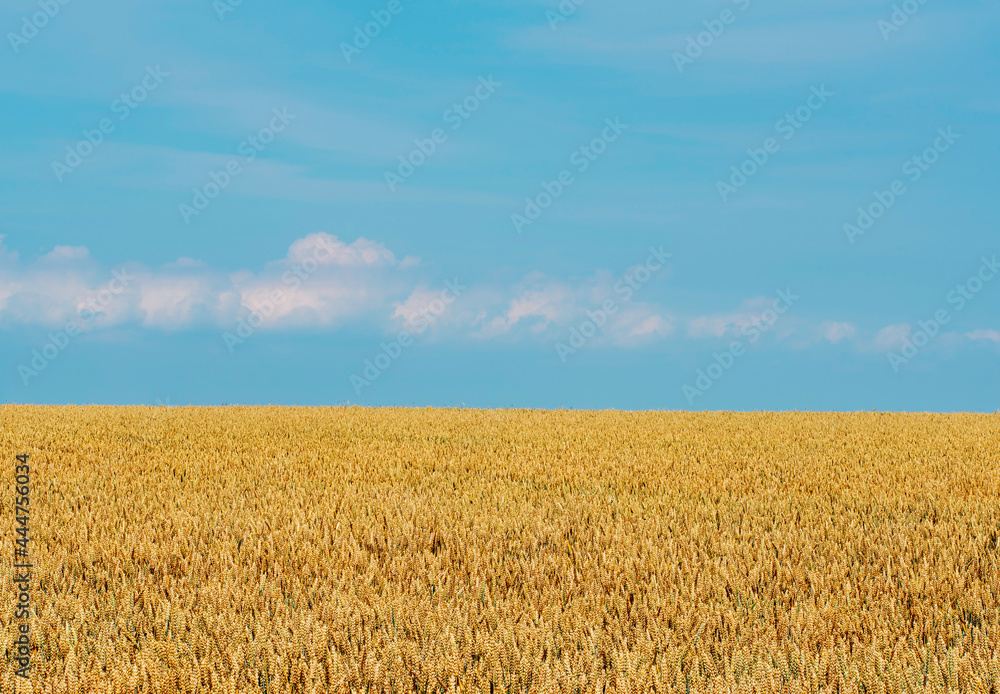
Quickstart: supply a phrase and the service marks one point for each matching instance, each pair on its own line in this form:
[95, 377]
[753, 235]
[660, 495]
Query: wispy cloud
[987, 335]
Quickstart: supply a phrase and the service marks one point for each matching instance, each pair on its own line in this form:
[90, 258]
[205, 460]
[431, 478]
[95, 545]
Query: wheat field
[417, 550]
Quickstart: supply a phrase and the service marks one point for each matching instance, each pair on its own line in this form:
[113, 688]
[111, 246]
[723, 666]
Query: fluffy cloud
[543, 308]
[322, 281]
[50, 291]
[835, 332]
[176, 300]
[891, 337]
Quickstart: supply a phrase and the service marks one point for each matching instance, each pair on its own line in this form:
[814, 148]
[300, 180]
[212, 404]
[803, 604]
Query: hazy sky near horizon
[632, 205]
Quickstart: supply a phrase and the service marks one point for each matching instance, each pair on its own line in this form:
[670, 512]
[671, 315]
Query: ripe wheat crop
[399, 550]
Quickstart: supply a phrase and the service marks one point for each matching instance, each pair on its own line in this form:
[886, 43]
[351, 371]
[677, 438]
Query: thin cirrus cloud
[748, 40]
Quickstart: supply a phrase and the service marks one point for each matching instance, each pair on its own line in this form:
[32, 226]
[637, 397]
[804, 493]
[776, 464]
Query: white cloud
[61, 254]
[730, 324]
[6, 256]
[186, 262]
[543, 309]
[431, 305]
[329, 250]
[552, 303]
[989, 335]
[638, 325]
[323, 281]
[891, 337]
[837, 332]
[535, 309]
[49, 290]
[177, 301]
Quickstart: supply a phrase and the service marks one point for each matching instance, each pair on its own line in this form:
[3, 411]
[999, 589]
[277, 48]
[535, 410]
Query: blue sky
[714, 205]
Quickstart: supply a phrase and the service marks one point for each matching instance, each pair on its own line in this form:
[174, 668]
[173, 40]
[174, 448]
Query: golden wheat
[351, 549]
